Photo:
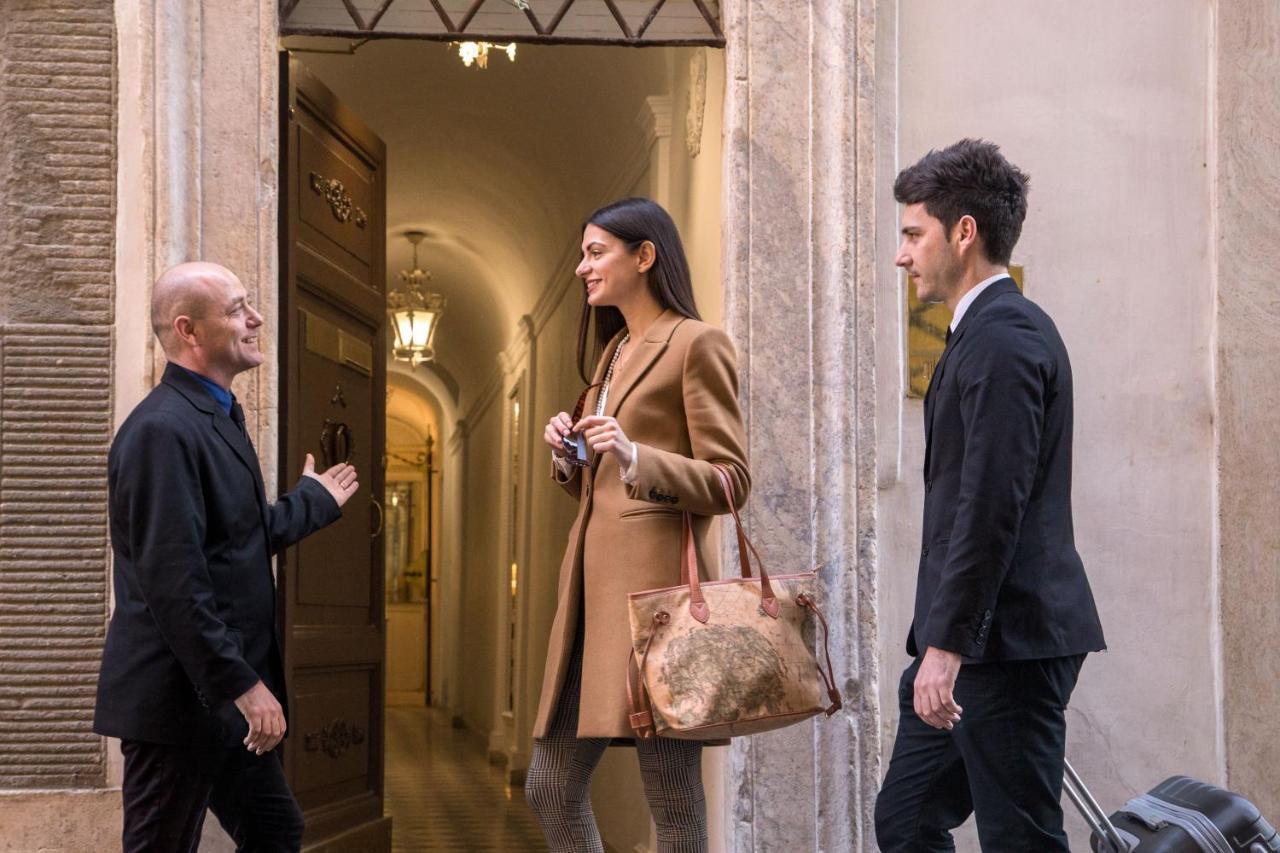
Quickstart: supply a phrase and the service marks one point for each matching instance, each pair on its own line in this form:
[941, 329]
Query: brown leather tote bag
[730, 657]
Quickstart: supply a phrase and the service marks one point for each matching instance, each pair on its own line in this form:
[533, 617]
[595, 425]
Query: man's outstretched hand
[265, 717]
[340, 480]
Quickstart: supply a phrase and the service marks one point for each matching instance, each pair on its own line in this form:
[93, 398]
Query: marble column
[1248, 400]
[198, 137]
[800, 303]
[198, 131]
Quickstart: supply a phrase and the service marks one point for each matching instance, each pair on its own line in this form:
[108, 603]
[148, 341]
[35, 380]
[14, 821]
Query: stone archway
[801, 137]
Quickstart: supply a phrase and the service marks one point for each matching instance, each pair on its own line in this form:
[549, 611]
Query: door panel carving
[332, 729]
[335, 194]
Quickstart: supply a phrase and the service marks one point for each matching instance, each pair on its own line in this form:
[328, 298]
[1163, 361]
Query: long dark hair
[633, 221]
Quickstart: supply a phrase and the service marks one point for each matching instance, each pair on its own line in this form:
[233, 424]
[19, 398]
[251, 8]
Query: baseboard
[375, 835]
[406, 698]
[497, 747]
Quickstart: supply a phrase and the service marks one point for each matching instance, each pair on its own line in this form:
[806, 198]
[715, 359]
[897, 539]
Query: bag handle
[689, 559]
[1109, 837]
[768, 599]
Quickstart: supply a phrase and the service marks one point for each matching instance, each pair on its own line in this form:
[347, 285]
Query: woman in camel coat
[661, 413]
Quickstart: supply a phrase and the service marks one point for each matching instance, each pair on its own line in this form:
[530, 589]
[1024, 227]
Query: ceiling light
[477, 52]
[414, 313]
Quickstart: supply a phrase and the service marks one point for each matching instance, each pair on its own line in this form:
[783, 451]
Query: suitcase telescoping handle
[1109, 838]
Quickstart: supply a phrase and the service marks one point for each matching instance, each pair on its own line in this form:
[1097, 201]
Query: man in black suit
[1003, 613]
[192, 680]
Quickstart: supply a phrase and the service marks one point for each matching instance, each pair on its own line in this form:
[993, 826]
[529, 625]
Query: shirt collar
[967, 299]
[221, 395]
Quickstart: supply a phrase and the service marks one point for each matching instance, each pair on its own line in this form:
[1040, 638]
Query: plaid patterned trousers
[558, 784]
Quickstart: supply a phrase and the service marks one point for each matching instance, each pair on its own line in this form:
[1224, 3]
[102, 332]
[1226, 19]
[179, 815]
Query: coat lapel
[1004, 285]
[226, 429]
[637, 365]
[641, 359]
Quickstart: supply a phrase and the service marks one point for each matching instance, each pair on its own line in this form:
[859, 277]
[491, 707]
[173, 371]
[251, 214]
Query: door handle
[376, 504]
[337, 443]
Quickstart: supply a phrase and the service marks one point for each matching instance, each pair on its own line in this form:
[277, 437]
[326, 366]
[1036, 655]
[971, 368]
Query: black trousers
[167, 789]
[1002, 762]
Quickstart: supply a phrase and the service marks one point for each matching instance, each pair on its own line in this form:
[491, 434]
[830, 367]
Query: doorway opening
[497, 167]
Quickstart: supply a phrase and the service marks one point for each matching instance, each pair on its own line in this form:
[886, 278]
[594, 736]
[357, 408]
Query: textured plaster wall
[1248, 350]
[1117, 246]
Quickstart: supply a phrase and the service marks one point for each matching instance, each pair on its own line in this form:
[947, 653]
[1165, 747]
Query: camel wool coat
[676, 397]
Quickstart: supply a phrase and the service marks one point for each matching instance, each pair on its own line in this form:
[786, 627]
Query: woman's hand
[557, 428]
[604, 435]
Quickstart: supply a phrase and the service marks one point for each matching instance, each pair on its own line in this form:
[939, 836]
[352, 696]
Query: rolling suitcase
[1179, 815]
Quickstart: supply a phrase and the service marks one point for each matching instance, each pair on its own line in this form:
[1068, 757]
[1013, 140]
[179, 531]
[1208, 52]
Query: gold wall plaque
[927, 324]
[328, 341]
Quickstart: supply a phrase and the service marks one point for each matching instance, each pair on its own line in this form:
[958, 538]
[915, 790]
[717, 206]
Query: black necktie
[947, 339]
[237, 417]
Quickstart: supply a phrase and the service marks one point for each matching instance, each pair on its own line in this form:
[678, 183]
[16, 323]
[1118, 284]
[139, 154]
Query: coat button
[928, 486]
[924, 552]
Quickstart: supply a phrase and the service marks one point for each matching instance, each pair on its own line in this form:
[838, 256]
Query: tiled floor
[442, 793]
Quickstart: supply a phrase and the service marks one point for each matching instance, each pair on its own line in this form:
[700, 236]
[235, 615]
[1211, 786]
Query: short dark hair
[633, 221]
[970, 177]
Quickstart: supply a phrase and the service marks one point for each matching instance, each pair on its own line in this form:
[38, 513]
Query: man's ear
[645, 256]
[184, 328]
[966, 233]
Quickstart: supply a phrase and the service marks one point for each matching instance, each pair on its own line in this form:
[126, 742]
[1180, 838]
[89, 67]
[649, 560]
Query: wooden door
[333, 392]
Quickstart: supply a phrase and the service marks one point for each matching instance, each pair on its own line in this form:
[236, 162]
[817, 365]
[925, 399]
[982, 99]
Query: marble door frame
[199, 102]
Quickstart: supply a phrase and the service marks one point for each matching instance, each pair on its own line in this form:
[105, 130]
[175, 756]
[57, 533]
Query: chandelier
[414, 312]
[477, 52]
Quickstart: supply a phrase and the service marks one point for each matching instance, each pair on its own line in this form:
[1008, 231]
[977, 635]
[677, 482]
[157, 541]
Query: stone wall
[57, 215]
[1248, 351]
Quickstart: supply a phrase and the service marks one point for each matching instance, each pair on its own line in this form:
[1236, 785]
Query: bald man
[192, 680]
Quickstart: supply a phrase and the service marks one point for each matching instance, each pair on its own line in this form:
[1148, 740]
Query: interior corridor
[443, 794]
[489, 173]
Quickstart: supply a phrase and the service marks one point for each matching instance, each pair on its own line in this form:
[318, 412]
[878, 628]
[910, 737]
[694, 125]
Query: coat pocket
[651, 512]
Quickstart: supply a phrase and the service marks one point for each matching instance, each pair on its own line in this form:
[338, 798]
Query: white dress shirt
[967, 299]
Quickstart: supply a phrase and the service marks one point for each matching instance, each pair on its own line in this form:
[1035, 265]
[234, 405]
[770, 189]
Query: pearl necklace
[608, 375]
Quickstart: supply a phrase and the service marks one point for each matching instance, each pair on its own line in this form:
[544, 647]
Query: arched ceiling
[498, 166]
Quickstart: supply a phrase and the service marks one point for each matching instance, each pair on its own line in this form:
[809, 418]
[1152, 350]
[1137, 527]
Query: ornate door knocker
[337, 444]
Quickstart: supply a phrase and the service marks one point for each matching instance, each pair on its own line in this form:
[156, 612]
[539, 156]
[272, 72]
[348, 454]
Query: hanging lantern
[414, 312]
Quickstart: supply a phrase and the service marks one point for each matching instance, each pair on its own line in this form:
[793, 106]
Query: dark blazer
[999, 575]
[192, 537]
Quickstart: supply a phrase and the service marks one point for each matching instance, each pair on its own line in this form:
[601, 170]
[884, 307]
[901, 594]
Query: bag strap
[828, 677]
[641, 712]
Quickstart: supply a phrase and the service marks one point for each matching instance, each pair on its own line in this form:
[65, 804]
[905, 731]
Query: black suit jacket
[192, 537]
[999, 575]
